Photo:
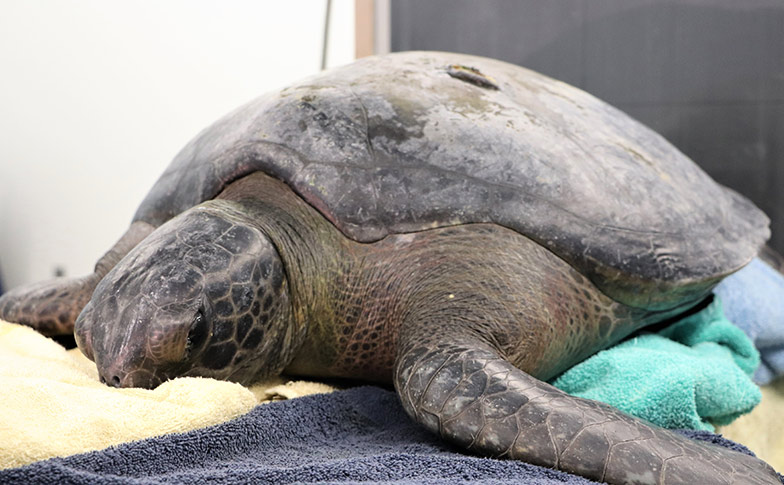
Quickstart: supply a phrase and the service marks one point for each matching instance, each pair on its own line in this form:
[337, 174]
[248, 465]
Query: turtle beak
[115, 376]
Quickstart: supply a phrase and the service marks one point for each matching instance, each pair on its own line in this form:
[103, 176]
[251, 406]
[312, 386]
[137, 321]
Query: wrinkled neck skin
[347, 298]
[311, 249]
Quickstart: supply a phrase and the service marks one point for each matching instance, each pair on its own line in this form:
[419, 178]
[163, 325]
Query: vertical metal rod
[325, 44]
[382, 26]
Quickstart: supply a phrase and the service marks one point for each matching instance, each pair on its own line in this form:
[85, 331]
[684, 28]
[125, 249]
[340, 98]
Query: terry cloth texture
[52, 403]
[693, 374]
[754, 301]
[361, 435]
[762, 430]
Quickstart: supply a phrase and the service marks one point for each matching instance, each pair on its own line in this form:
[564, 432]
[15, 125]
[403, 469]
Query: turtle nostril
[113, 381]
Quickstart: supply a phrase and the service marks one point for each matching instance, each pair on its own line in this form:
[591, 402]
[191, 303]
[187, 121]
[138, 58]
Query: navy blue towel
[359, 435]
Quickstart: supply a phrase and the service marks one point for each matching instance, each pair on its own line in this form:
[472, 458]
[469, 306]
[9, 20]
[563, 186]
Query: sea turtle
[457, 226]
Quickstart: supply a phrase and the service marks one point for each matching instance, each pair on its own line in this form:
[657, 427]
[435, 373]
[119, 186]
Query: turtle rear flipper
[51, 307]
[464, 390]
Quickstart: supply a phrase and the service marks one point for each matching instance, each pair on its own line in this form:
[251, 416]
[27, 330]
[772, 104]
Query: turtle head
[203, 295]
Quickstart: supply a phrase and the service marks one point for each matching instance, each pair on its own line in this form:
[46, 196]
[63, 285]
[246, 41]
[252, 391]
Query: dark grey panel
[509, 30]
[774, 144]
[730, 140]
[662, 118]
[706, 74]
[691, 51]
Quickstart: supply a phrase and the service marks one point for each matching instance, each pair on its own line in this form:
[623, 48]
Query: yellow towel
[762, 430]
[53, 404]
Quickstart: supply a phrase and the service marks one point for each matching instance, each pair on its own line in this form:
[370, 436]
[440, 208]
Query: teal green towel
[694, 374]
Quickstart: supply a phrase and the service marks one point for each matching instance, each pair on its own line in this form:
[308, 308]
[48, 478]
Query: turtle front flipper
[462, 389]
[51, 307]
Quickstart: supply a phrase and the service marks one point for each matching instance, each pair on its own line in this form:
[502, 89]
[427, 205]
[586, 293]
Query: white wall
[96, 97]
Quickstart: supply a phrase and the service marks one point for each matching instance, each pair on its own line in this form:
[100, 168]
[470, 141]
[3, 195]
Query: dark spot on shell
[306, 104]
[472, 75]
[255, 309]
[267, 303]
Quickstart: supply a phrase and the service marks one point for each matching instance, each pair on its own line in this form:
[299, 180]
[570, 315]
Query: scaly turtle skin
[455, 225]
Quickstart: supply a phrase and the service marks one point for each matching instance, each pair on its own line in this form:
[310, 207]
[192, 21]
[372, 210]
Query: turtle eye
[197, 333]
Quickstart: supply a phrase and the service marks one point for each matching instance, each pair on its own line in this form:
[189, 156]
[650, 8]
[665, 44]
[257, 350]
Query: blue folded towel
[361, 435]
[754, 301]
